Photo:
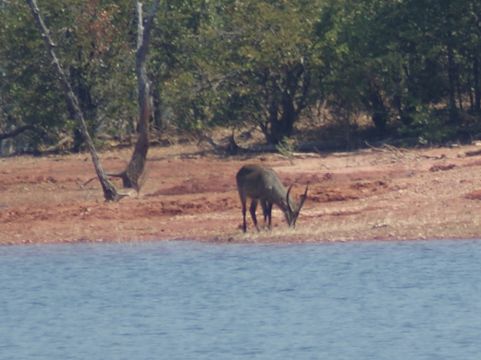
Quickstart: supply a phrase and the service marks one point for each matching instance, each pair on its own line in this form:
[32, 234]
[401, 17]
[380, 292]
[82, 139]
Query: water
[183, 300]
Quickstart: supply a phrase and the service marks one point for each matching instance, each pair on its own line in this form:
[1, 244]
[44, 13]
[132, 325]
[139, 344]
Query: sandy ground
[374, 194]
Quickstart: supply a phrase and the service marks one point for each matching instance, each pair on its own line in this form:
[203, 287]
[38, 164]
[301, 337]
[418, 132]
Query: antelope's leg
[269, 214]
[253, 213]
[264, 205]
[244, 210]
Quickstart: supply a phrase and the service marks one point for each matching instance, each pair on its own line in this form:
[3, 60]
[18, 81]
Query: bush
[428, 127]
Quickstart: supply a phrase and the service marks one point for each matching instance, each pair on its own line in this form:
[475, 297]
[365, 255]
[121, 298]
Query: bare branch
[110, 192]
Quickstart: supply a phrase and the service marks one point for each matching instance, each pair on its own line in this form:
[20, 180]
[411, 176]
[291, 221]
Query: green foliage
[91, 40]
[227, 63]
[27, 93]
[428, 127]
[286, 147]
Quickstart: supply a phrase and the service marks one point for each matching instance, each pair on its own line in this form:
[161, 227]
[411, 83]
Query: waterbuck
[262, 184]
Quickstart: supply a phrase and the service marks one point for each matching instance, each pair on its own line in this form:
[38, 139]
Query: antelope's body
[262, 184]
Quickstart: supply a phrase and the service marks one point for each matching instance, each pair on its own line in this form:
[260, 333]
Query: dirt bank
[382, 193]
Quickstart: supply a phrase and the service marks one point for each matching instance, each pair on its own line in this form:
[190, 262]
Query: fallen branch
[231, 148]
[473, 153]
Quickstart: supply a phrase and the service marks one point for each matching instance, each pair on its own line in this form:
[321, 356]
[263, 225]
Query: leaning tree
[135, 169]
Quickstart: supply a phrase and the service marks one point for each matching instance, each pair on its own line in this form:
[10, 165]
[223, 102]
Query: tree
[249, 61]
[272, 56]
[135, 169]
[411, 66]
[27, 97]
[110, 192]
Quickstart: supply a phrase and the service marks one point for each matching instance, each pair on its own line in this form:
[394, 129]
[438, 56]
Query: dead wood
[132, 176]
[473, 153]
[110, 192]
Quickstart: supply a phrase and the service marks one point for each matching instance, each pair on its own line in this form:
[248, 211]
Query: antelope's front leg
[252, 210]
[267, 212]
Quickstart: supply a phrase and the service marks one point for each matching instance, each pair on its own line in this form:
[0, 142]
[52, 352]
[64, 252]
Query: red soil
[372, 194]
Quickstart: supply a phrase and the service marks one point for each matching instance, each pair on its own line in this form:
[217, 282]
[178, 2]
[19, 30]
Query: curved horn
[304, 197]
[287, 199]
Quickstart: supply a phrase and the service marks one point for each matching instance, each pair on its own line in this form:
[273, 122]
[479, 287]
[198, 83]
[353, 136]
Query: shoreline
[227, 242]
[366, 195]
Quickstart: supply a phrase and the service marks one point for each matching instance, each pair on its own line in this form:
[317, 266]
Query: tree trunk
[477, 84]
[375, 102]
[132, 175]
[286, 103]
[453, 112]
[86, 101]
[407, 94]
[110, 192]
[159, 121]
[274, 132]
[281, 126]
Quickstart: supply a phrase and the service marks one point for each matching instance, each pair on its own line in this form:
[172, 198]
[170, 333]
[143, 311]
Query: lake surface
[187, 300]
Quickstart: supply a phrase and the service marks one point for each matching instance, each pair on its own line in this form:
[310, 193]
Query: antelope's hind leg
[244, 210]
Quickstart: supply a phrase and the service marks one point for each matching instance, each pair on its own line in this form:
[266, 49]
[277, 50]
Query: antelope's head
[294, 207]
